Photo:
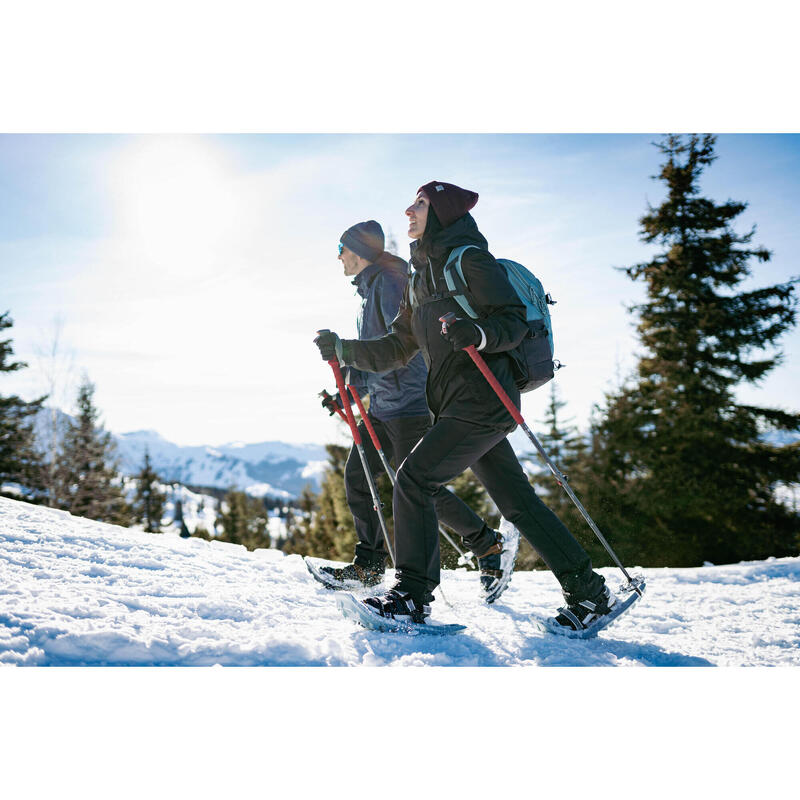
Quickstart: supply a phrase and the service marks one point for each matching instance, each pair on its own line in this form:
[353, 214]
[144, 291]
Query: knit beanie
[365, 239]
[449, 201]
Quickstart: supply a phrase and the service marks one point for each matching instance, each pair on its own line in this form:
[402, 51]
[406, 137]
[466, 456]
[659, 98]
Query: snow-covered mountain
[78, 592]
[276, 469]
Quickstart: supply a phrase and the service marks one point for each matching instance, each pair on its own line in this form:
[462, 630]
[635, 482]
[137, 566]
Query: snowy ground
[77, 592]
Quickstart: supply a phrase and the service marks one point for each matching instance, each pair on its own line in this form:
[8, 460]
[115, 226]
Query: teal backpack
[533, 357]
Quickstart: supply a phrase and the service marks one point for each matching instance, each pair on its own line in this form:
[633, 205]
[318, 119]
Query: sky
[187, 275]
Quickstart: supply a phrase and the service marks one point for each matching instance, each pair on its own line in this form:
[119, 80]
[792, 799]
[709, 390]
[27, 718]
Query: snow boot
[497, 564]
[591, 606]
[589, 603]
[583, 615]
[400, 606]
[350, 577]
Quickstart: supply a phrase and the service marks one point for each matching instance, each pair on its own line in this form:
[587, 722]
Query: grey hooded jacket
[398, 392]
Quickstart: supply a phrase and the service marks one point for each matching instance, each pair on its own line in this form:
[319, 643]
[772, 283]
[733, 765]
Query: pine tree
[148, 504]
[177, 520]
[683, 473]
[88, 480]
[562, 436]
[56, 366]
[333, 533]
[566, 447]
[244, 521]
[298, 525]
[19, 460]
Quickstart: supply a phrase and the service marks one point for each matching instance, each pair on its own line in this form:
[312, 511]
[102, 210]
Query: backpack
[533, 356]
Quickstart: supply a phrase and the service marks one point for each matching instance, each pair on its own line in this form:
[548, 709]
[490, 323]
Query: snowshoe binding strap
[396, 605]
[492, 573]
[570, 618]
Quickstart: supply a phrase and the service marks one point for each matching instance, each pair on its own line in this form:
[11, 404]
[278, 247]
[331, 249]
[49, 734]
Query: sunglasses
[341, 247]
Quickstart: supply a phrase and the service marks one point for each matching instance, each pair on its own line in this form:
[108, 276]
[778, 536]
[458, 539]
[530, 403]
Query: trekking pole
[325, 396]
[561, 479]
[337, 374]
[463, 558]
[376, 442]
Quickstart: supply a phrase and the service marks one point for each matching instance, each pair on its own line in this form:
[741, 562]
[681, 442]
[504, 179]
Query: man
[471, 424]
[399, 413]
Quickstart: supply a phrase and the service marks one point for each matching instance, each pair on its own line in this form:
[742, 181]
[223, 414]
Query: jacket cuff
[344, 352]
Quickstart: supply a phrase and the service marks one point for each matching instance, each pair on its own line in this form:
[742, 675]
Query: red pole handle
[487, 373]
[372, 435]
[351, 420]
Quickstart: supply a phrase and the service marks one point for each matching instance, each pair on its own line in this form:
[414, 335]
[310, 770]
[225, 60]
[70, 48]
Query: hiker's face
[417, 214]
[350, 262]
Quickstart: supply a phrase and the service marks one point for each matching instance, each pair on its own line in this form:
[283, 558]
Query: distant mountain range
[276, 469]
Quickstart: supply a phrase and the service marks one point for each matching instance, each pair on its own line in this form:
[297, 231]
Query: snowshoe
[349, 576]
[498, 565]
[394, 612]
[586, 618]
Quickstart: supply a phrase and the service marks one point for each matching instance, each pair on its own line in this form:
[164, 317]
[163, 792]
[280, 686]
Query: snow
[78, 592]
[273, 451]
[198, 510]
[314, 471]
[266, 490]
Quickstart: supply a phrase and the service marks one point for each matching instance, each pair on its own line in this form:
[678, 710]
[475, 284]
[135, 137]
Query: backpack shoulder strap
[456, 283]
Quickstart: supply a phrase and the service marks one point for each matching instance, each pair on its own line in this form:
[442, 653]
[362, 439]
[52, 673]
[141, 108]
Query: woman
[471, 423]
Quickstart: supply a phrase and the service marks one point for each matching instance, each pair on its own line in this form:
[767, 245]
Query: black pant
[397, 438]
[448, 448]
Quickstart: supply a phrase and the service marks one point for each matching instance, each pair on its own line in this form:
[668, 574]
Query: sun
[176, 201]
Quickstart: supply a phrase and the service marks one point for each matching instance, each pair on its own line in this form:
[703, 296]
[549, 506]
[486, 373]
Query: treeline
[80, 473]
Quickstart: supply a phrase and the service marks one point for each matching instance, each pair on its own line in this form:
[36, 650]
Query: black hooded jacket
[455, 387]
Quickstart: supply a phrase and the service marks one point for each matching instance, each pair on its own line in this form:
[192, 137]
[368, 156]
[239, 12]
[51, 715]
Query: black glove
[328, 343]
[462, 333]
[330, 403]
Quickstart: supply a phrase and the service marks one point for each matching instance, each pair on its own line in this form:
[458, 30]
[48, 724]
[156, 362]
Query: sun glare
[176, 202]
